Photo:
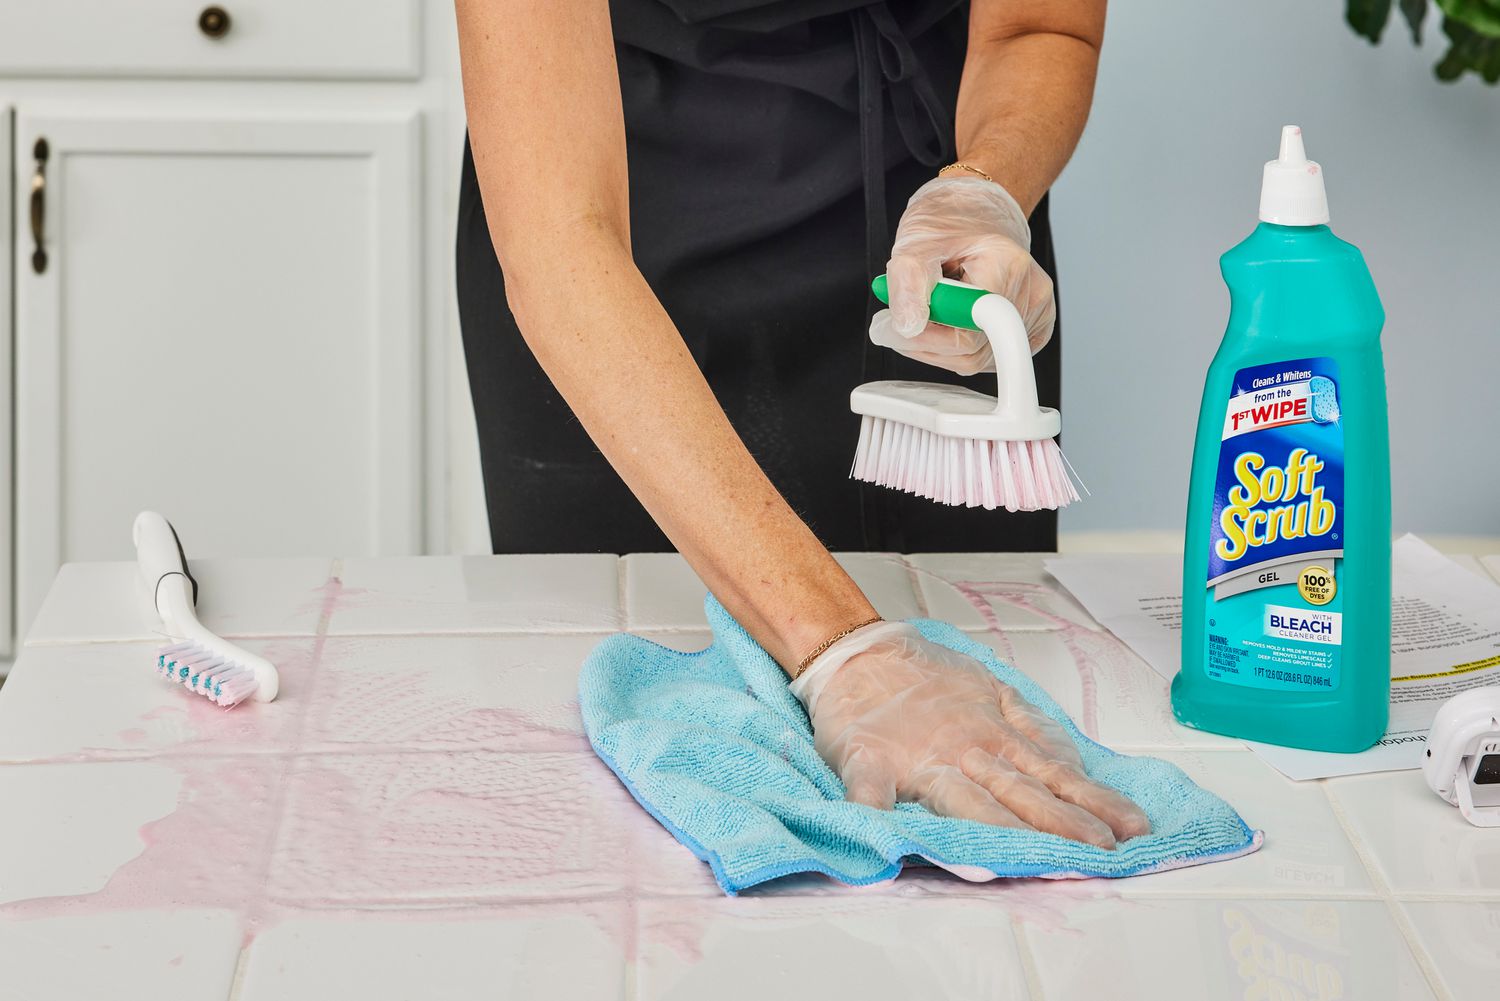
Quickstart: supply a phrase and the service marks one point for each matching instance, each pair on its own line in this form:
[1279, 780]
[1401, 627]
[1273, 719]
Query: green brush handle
[952, 303]
[958, 305]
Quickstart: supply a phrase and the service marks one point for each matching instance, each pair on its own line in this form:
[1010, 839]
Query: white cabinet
[245, 318]
[226, 329]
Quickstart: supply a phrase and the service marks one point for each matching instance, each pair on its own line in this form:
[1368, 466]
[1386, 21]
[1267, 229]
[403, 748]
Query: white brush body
[955, 446]
[194, 657]
[953, 411]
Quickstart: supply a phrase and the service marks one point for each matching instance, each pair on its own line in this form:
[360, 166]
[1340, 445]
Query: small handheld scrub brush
[193, 657]
[953, 445]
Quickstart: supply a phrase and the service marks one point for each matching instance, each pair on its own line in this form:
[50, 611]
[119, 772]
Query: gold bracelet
[822, 647]
[960, 165]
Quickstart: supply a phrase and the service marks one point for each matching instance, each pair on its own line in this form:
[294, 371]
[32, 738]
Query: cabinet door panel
[227, 332]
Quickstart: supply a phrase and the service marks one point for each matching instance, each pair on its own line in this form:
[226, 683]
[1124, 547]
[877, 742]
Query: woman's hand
[901, 718]
[972, 230]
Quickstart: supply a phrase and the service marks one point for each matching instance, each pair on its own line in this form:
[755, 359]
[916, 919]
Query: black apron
[772, 147]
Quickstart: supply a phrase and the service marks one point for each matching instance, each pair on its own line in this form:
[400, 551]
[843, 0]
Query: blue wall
[1190, 102]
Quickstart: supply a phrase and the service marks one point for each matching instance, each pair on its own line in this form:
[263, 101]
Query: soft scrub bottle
[1286, 605]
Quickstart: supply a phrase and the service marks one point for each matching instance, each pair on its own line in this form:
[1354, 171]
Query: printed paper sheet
[1445, 639]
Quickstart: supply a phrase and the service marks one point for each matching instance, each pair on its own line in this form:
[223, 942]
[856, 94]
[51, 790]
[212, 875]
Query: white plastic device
[194, 657]
[1462, 760]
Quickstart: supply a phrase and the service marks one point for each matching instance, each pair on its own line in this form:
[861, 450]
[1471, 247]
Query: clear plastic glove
[901, 718]
[971, 230]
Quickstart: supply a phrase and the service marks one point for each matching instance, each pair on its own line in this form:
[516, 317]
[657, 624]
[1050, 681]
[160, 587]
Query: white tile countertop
[419, 816]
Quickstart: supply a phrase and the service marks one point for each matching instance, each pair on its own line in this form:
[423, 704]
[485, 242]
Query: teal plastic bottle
[1286, 605]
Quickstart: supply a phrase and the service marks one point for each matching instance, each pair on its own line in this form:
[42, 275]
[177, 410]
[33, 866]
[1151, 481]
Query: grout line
[915, 583]
[623, 895]
[53, 644]
[485, 903]
[564, 630]
[622, 571]
[1029, 970]
[601, 630]
[1398, 914]
[256, 908]
[630, 958]
[293, 755]
[1184, 749]
[1252, 893]
[237, 982]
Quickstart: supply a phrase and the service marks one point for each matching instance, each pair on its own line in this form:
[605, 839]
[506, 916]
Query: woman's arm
[547, 129]
[1024, 97]
[1027, 85]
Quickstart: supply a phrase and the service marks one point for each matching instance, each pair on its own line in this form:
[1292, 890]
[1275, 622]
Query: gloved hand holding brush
[971, 230]
[902, 718]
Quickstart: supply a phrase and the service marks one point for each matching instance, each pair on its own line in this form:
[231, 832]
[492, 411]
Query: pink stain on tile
[516, 729]
[210, 851]
[405, 710]
[366, 792]
[188, 723]
[328, 598]
[214, 849]
[385, 828]
[453, 836]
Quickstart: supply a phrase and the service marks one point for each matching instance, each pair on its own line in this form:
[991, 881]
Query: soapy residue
[355, 794]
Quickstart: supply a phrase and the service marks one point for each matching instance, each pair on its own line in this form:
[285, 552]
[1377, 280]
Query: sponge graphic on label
[1325, 400]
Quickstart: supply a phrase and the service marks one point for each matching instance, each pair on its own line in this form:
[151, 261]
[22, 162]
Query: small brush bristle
[217, 679]
[966, 472]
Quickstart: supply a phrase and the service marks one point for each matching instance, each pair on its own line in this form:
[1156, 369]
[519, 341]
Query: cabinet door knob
[39, 206]
[214, 22]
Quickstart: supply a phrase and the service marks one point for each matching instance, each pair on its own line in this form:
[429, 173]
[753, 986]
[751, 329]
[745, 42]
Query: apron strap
[886, 62]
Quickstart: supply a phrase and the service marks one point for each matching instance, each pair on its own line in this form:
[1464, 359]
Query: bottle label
[1274, 618]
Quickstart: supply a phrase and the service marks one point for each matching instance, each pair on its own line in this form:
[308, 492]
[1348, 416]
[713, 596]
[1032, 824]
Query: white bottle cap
[1291, 189]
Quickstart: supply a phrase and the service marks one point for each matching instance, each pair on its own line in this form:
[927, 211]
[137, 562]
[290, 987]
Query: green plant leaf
[1415, 12]
[1472, 27]
[1470, 51]
[1368, 17]
[1482, 16]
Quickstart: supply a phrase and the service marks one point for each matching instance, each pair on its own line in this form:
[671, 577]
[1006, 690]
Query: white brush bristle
[967, 472]
[220, 680]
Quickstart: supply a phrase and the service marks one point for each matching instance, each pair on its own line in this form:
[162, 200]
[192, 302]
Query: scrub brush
[195, 657]
[953, 445]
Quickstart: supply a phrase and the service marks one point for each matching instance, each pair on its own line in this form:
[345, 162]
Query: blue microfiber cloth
[715, 747]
